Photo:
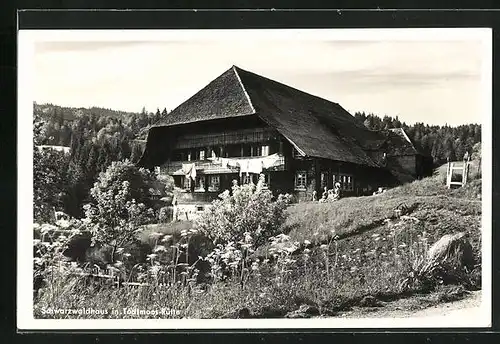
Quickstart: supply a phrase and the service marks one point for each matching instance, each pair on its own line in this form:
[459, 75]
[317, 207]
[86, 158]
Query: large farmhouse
[242, 125]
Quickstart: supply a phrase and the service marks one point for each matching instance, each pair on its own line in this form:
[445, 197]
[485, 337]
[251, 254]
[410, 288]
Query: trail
[466, 307]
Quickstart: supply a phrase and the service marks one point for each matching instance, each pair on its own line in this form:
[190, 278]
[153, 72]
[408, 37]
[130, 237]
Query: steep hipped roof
[398, 143]
[315, 126]
[222, 98]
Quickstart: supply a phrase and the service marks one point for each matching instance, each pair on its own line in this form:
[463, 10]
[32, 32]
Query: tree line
[96, 138]
[441, 142]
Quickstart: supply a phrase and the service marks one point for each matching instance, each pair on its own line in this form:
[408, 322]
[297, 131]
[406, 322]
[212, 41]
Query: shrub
[122, 203]
[250, 208]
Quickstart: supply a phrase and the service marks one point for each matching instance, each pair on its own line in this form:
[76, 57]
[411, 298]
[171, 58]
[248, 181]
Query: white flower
[160, 248]
[166, 238]
[307, 242]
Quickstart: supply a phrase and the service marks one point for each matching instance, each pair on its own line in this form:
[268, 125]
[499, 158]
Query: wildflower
[323, 247]
[160, 248]
[403, 245]
[307, 242]
[166, 238]
[151, 256]
[306, 250]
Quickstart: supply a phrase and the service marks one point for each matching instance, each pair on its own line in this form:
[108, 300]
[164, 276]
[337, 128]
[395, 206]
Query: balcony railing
[220, 139]
[209, 167]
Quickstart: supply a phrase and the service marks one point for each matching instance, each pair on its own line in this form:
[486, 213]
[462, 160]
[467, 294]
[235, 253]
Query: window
[265, 151]
[202, 154]
[214, 183]
[300, 180]
[186, 182]
[267, 180]
[324, 179]
[200, 183]
[189, 156]
[346, 181]
[246, 178]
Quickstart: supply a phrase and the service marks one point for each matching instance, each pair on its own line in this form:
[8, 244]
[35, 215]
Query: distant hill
[71, 113]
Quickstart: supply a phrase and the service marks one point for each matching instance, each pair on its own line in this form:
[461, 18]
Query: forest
[98, 136]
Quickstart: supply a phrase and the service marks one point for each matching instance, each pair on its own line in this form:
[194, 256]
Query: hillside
[71, 113]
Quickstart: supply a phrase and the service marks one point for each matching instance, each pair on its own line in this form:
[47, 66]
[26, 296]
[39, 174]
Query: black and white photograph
[278, 178]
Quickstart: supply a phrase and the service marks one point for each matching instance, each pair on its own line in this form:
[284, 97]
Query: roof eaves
[301, 152]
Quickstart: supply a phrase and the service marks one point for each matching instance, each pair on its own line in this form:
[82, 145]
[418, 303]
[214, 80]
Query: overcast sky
[434, 82]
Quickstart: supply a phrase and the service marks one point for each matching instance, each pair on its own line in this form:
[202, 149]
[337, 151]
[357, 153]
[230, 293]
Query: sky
[434, 81]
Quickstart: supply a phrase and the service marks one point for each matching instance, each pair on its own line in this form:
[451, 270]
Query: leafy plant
[247, 209]
[121, 204]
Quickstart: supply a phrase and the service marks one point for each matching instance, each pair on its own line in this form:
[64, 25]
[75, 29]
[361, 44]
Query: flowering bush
[248, 209]
[121, 204]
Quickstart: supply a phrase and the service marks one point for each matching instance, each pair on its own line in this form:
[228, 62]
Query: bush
[122, 203]
[250, 208]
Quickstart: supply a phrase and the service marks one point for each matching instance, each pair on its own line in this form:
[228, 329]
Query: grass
[358, 249]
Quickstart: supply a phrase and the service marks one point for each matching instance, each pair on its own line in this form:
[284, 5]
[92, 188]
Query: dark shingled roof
[315, 126]
[398, 143]
[222, 98]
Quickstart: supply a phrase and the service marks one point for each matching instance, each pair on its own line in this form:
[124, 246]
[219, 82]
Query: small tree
[250, 208]
[122, 203]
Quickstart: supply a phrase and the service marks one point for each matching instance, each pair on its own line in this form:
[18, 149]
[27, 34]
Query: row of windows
[346, 181]
[230, 151]
[214, 181]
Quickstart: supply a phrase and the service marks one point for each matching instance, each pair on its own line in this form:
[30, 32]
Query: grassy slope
[440, 211]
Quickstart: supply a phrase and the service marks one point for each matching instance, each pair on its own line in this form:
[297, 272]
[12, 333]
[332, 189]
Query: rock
[304, 311]
[448, 261]
[369, 301]
[452, 249]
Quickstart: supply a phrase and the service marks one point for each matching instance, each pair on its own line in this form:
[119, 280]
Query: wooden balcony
[209, 167]
[220, 139]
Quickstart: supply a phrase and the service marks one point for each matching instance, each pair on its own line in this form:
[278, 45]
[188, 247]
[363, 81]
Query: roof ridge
[235, 69]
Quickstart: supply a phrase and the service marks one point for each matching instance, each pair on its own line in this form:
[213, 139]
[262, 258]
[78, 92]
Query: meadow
[321, 260]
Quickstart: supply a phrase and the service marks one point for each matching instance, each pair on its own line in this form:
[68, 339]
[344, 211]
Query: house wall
[406, 163]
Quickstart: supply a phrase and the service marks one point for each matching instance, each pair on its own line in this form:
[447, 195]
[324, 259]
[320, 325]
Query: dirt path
[417, 307]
